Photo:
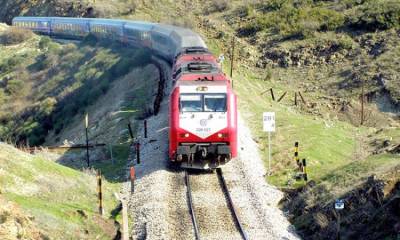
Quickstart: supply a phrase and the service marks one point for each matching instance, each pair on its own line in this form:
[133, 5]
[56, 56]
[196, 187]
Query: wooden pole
[302, 99]
[272, 94]
[232, 58]
[295, 98]
[283, 95]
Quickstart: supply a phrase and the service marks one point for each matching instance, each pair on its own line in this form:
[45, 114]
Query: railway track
[224, 188]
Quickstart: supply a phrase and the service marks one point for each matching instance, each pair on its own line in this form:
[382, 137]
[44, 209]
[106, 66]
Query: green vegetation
[62, 201]
[51, 86]
[293, 19]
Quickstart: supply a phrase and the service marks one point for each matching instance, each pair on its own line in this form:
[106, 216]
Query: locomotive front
[203, 124]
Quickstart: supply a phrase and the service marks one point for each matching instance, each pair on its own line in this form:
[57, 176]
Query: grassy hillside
[61, 201]
[44, 84]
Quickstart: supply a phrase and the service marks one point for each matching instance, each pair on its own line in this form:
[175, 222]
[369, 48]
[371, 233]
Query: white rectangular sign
[269, 122]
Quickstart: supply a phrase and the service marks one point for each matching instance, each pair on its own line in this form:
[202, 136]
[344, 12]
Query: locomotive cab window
[191, 103]
[215, 103]
[203, 102]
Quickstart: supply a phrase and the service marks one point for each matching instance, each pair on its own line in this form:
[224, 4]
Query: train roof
[139, 25]
[198, 57]
[212, 77]
[224, 82]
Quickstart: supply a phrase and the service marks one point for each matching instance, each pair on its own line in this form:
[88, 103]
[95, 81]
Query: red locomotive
[203, 112]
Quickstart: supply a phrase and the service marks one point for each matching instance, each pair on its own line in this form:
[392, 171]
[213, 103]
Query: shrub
[216, 6]
[373, 15]
[11, 63]
[44, 42]
[15, 35]
[291, 21]
[250, 28]
[327, 19]
[14, 86]
[3, 96]
[47, 106]
[346, 42]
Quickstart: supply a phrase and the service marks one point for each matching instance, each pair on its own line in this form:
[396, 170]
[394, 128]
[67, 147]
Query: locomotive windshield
[203, 103]
[215, 103]
[191, 103]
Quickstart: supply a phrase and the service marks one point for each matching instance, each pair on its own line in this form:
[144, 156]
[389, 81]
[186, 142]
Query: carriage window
[191, 103]
[215, 103]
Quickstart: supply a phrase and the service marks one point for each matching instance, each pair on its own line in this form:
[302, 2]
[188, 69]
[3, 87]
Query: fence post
[130, 131]
[295, 98]
[272, 94]
[302, 99]
[99, 192]
[283, 95]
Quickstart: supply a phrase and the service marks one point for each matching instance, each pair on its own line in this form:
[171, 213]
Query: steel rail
[191, 206]
[239, 226]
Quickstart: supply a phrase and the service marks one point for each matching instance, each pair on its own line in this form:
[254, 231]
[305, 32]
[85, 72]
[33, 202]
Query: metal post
[269, 153]
[296, 154]
[130, 130]
[87, 140]
[99, 192]
[145, 128]
[138, 152]
[305, 170]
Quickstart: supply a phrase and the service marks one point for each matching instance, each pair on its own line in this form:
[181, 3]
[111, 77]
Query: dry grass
[15, 35]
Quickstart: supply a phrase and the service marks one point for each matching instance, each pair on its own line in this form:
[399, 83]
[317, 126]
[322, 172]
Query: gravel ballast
[159, 207]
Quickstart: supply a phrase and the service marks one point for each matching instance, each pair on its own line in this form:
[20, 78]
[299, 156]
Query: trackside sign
[269, 121]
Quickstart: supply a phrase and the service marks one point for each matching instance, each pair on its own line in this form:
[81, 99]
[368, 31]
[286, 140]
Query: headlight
[184, 135]
[222, 135]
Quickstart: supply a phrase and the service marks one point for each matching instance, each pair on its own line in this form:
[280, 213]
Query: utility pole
[232, 57]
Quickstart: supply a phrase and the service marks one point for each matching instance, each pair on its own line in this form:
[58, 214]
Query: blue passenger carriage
[162, 42]
[138, 33]
[107, 28]
[36, 24]
[75, 28]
